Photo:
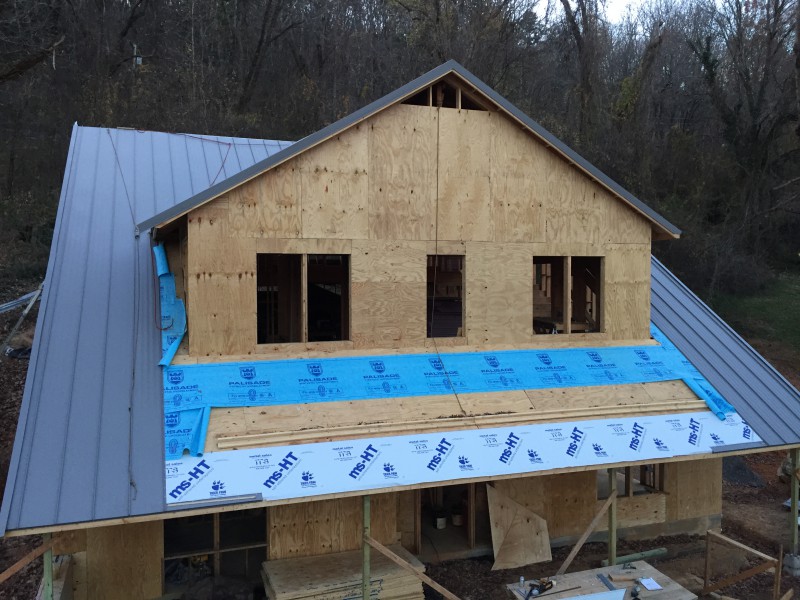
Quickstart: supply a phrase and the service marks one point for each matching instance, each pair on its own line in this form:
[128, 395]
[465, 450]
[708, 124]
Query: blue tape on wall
[265, 383]
[173, 311]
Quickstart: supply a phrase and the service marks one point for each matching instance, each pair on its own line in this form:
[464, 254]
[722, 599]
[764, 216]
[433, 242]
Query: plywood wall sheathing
[328, 526]
[125, 561]
[519, 536]
[694, 488]
[567, 502]
[402, 174]
[408, 182]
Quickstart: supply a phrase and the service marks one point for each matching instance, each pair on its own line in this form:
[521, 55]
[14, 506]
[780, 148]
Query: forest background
[692, 105]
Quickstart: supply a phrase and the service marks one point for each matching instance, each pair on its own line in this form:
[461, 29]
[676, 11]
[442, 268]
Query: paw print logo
[217, 486]
[463, 460]
[388, 468]
[597, 447]
[307, 476]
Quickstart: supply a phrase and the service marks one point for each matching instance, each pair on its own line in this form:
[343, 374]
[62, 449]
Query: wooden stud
[217, 557]
[707, 572]
[471, 525]
[612, 518]
[628, 482]
[367, 521]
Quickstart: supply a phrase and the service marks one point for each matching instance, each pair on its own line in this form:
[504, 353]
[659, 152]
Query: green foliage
[25, 238]
[771, 314]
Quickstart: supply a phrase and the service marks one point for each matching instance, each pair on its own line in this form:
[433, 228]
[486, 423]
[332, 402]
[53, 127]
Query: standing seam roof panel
[769, 403]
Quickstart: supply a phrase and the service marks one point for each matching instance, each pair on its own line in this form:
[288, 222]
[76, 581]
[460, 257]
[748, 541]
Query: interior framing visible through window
[633, 481]
[445, 295]
[302, 298]
[579, 279]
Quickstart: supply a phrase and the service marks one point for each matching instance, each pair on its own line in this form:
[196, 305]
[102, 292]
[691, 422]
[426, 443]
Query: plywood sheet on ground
[519, 536]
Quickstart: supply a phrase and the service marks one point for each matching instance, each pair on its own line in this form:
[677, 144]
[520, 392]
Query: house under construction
[433, 302]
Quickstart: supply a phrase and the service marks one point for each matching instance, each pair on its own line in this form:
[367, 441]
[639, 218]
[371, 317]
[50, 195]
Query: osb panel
[387, 315]
[465, 208]
[567, 502]
[125, 561]
[326, 526]
[403, 144]
[499, 296]
[694, 488]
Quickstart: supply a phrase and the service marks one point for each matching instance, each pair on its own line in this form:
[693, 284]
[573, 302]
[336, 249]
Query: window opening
[328, 288]
[302, 298]
[577, 279]
[278, 281]
[445, 296]
[548, 294]
[586, 293]
[633, 481]
[231, 544]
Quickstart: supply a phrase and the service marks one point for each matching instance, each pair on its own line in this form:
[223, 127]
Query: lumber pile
[338, 577]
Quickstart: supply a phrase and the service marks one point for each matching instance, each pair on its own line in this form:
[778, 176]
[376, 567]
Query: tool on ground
[606, 581]
[538, 586]
[635, 591]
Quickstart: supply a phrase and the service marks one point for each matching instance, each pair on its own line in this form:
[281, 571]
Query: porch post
[612, 519]
[365, 549]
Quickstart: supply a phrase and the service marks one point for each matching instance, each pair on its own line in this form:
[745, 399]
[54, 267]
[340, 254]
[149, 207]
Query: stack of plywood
[338, 577]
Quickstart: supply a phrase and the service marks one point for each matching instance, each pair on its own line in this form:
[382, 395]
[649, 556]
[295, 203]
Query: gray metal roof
[769, 403]
[90, 439]
[409, 89]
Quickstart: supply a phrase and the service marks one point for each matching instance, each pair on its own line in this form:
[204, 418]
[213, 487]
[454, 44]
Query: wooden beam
[401, 563]
[26, 560]
[718, 537]
[47, 569]
[776, 588]
[738, 577]
[585, 535]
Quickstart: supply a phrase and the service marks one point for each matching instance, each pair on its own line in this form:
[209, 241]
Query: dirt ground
[753, 515]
